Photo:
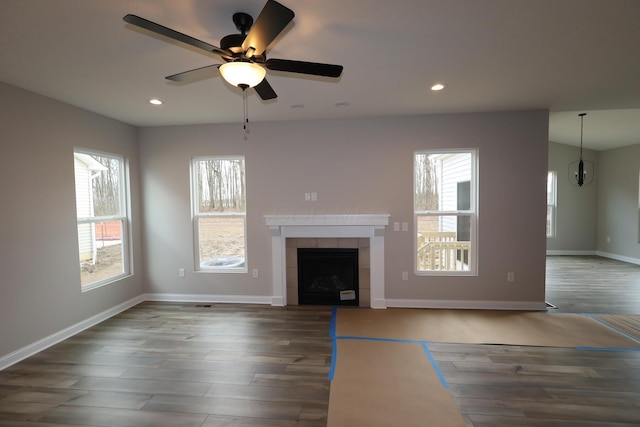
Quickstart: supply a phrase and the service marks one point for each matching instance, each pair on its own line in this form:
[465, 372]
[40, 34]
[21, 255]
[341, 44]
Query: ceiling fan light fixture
[242, 73]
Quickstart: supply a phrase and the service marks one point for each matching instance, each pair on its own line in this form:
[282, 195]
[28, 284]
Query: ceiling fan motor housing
[233, 43]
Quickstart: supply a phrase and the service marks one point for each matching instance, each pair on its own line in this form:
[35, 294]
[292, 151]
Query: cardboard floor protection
[481, 327]
[380, 383]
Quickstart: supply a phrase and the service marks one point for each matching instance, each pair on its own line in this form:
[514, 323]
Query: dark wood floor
[179, 365]
[591, 284]
[236, 365]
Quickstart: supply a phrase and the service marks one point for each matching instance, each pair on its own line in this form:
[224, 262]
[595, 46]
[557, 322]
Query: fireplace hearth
[328, 276]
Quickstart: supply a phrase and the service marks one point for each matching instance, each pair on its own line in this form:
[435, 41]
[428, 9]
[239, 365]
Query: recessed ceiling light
[342, 104]
[438, 86]
[155, 101]
[297, 106]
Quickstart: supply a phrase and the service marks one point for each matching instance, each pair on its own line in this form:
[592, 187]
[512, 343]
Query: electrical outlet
[511, 276]
[405, 275]
[255, 273]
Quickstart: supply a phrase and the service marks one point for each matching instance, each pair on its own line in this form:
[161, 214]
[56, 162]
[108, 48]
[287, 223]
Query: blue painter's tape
[607, 348]
[353, 337]
[332, 326]
[334, 343]
[334, 356]
[436, 368]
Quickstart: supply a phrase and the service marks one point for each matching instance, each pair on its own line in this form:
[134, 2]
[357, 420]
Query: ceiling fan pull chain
[246, 109]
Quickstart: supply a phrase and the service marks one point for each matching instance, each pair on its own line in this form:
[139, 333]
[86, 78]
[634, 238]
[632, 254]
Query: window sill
[101, 283]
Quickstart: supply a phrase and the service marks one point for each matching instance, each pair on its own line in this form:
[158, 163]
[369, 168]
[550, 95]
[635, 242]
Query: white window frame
[124, 217]
[472, 213]
[196, 215]
[552, 202]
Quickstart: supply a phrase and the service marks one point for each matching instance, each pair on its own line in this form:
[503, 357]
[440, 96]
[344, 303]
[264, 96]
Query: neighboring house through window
[218, 195]
[102, 217]
[445, 210]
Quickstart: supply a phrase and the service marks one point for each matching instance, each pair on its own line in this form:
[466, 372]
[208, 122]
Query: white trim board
[619, 257]
[594, 253]
[468, 304]
[55, 338]
[206, 298]
[571, 253]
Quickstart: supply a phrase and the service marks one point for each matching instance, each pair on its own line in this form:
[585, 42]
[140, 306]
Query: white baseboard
[379, 303]
[619, 257]
[38, 346]
[468, 305]
[573, 253]
[596, 253]
[206, 298]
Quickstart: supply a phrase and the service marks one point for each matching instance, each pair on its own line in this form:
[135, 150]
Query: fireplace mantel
[375, 220]
[327, 226]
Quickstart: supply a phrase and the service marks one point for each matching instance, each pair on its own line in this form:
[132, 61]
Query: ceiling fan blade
[202, 72]
[173, 34]
[271, 21]
[265, 91]
[313, 68]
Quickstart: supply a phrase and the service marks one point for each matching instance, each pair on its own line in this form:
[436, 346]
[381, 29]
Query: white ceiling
[568, 56]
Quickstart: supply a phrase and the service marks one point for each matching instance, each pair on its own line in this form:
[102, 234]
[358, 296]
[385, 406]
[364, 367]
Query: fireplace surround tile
[364, 272]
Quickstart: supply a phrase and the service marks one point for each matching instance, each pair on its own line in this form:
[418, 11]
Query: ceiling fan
[245, 53]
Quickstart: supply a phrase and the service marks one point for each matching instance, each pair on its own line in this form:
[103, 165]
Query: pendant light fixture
[581, 172]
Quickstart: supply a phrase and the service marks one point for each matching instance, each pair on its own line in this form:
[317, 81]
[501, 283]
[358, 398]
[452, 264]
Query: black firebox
[327, 276]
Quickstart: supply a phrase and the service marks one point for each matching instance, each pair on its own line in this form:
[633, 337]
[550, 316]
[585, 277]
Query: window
[218, 197]
[445, 200]
[102, 215]
[551, 203]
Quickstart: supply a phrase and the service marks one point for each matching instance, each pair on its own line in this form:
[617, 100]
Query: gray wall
[355, 166]
[618, 203]
[40, 276]
[577, 209]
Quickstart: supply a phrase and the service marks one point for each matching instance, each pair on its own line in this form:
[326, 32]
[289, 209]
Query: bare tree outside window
[106, 187]
[426, 183]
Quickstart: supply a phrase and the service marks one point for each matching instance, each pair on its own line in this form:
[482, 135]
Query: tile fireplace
[365, 231]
